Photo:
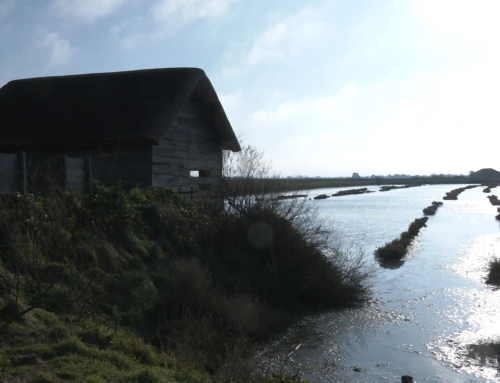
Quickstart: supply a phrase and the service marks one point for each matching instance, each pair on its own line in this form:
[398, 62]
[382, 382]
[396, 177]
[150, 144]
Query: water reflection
[426, 316]
[391, 264]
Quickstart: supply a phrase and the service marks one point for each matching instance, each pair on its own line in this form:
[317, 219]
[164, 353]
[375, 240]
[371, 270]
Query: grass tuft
[397, 249]
[431, 209]
[494, 272]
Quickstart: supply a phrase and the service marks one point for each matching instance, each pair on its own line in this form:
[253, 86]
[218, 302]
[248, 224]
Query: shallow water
[422, 315]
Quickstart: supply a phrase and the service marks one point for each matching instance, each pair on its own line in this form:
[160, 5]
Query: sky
[324, 87]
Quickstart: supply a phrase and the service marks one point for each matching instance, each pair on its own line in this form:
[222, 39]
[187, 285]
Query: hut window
[199, 173]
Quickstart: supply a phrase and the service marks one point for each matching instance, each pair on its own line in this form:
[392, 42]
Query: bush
[398, 248]
[494, 272]
[494, 200]
[133, 276]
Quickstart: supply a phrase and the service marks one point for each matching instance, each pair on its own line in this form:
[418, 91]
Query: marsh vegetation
[494, 200]
[431, 209]
[489, 186]
[392, 187]
[144, 285]
[397, 249]
[352, 191]
[453, 195]
[494, 272]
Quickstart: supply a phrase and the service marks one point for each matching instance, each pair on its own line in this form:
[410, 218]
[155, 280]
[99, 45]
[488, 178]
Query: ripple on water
[475, 257]
[472, 350]
[427, 314]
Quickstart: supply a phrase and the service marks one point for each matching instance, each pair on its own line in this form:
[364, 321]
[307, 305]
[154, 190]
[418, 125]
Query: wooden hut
[157, 127]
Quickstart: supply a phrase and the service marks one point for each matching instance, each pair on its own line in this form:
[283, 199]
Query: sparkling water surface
[423, 315]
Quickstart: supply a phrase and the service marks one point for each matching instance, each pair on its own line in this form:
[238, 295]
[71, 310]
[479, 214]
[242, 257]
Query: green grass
[145, 286]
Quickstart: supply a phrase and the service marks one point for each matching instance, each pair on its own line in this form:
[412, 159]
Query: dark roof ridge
[100, 107]
[199, 71]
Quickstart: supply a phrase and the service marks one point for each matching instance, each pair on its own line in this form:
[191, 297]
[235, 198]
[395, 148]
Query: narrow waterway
[424, 314]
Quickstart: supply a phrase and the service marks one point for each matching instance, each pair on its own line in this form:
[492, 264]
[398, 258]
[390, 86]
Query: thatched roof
[135, 106]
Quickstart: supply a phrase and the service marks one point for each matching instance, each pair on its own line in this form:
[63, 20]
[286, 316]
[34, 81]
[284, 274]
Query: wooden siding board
[190, 144]
[188, 164]
[187, 146]
[192, 137]
[9, 171]
[132, 164]
[195, 156]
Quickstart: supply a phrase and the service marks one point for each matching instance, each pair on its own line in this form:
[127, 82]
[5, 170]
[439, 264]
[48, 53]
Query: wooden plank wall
[190, 144]
[9, 171]
[75, 174]
[14, 177]
[131, 165]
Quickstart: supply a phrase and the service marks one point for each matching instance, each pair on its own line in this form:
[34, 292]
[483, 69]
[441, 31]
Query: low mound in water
[321, 196]
[494, 200]
[453, 195]
[352, 191]
[387, 188]
[494, 272]
[398, 248]
[431, 209]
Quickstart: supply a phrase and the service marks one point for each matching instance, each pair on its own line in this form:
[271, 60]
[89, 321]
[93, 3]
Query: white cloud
[286, 39]
[130, 33]
[231, 101]
[421, 124]
[293, 38]
[452, 16]
[86, 11]
[180, 12]
[61, 52]
[6, 8]
[131, 42]
[170, 16]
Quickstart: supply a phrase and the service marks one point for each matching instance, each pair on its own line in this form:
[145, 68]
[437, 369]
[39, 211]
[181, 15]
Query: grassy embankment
[453, 195]
[285, 184]
[392, 187]
[494, 200]
[431, 209]
[397, 249]
[352, 192]
[361, 191]
[489, 186]
[145, 286]
[322, 196]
